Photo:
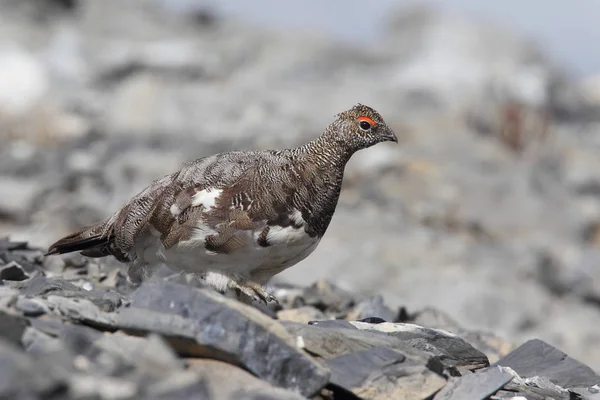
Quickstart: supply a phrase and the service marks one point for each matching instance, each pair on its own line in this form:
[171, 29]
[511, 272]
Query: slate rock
[335, 338]
[373, 307]
[12, 327]
[186, 385]
[488, 343]
[88, 386]
[200, 322]
[301, 314]
[31, 307]
[240, 383]
[452, 350]
[372, 320]
[592, 393]
[38, 344]
[290, 296]
[479, 385]
[8, 296]
[41, 285]
[383, 373]
[334, 323]
[23, 377]
[326, 296]
[534, 388]
[538, 358]
[12, 272]
[371, 364]
[82, 311]
[330, 341]
[106, 365]
[150, 355]
[7, 245]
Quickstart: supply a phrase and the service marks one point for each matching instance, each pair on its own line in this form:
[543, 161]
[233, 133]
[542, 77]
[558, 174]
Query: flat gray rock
[40, 285]
[371, 364]
[12, 272]
[328, 342]
[373, 307]
[538, 358]
[22, 377]
[240, 383]
[452, 350]
[82, 311]
[303, 314]
[479, 385]
[12, 327]
[31, 307]
[494, 347]
[199, 322]
[324, 295]
[383, 373]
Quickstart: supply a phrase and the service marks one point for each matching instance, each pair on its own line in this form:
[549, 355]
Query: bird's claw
[255, 292]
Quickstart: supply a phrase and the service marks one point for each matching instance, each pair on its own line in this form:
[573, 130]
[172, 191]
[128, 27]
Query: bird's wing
[220, 188]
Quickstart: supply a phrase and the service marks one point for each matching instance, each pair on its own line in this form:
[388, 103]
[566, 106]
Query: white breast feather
[287, 246]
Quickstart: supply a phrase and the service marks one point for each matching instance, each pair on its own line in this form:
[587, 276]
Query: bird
[237, 218]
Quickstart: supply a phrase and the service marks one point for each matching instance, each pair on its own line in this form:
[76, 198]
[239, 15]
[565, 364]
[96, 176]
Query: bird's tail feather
[91, 239]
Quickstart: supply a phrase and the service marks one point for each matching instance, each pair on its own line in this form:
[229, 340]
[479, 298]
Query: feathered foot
[251, 291]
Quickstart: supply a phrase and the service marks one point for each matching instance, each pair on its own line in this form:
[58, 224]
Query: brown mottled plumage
[240, 217]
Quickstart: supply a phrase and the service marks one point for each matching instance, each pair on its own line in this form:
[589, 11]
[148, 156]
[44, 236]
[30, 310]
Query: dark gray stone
[326, 296]
[452, 350]
[200, 322]
[538, 358]
[372, 320]
[38, 343]
[303, 314]
[82, 311]
[12, 327]
[479, 385]
[41, 285]
[240, 383]
[592, 393]
[23, 377]
[31, 307]
[7, 245]
[486, 342]
[330, 342]
[26, 258]
[537, 388]
[351, 370]
[178, 389]
[373, 307]
[50, 324]
[12, 272]
[381, 372]
[334, 323]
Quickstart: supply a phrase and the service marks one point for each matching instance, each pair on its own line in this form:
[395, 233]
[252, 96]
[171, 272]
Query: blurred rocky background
[488, 210]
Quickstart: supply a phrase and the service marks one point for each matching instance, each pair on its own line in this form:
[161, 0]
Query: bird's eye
[366, 123]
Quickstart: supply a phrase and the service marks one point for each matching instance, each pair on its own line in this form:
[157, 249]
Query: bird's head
[360, 127]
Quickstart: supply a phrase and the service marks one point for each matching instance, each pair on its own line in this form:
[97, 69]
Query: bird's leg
[251, 289]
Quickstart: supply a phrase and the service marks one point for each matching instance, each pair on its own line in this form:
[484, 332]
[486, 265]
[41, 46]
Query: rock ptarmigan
[237, 218]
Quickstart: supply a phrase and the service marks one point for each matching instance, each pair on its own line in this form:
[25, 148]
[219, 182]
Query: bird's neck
[326, 152]
[329, 157]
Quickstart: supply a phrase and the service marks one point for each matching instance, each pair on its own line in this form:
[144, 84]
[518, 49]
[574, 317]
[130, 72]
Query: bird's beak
[390, 136]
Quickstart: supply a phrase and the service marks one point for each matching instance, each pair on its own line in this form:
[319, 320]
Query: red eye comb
[367, 119]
